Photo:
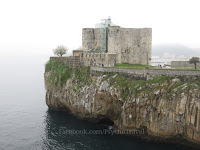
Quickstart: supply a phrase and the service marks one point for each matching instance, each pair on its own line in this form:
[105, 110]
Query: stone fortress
[109, 44]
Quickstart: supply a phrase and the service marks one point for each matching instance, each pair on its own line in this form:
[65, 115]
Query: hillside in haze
[174, 50]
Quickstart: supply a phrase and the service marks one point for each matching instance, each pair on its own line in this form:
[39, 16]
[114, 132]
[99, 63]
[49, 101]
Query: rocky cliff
[164, 106]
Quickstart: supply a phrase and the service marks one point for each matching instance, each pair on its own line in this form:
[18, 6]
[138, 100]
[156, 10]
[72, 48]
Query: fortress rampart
[109, 44]
[95, 59]
[169, 72]
[145, 74]
[131, 73]
[68, 61]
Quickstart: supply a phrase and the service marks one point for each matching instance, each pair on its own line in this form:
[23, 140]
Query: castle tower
[131, 45]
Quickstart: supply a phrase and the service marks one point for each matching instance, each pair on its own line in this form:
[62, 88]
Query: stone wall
[95, 59]
[114, 42]
[132, 45]
[89, 59]
[68, 60]
[146, 73]
[182, 64]
[109, 60]
[91, 38]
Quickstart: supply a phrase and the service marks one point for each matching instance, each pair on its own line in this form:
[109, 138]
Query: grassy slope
[139, 87]
[59, 73]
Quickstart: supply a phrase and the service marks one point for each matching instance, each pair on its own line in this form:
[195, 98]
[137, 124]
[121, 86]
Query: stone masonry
[146, 74]
[109, 44]
[130, 45]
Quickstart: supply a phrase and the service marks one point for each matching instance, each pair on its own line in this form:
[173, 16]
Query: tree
[60, 50]
[194, 60]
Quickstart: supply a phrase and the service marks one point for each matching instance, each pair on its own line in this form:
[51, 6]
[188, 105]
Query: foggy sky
[32, 27]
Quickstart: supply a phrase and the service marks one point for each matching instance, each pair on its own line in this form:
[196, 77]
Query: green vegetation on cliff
[138, 87]
[59, 74]
[167, 84]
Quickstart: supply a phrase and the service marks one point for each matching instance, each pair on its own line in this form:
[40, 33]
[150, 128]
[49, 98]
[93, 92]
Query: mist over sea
[26, 123]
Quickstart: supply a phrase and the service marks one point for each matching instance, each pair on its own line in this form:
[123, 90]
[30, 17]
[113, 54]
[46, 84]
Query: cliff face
[165, 106]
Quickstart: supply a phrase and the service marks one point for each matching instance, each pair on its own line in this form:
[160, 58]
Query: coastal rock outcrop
[164, 106]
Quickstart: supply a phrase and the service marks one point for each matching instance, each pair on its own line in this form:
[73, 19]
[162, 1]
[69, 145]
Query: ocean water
[26, 123]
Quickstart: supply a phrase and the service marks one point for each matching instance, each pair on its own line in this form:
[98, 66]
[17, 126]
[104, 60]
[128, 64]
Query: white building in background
[166, 59]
